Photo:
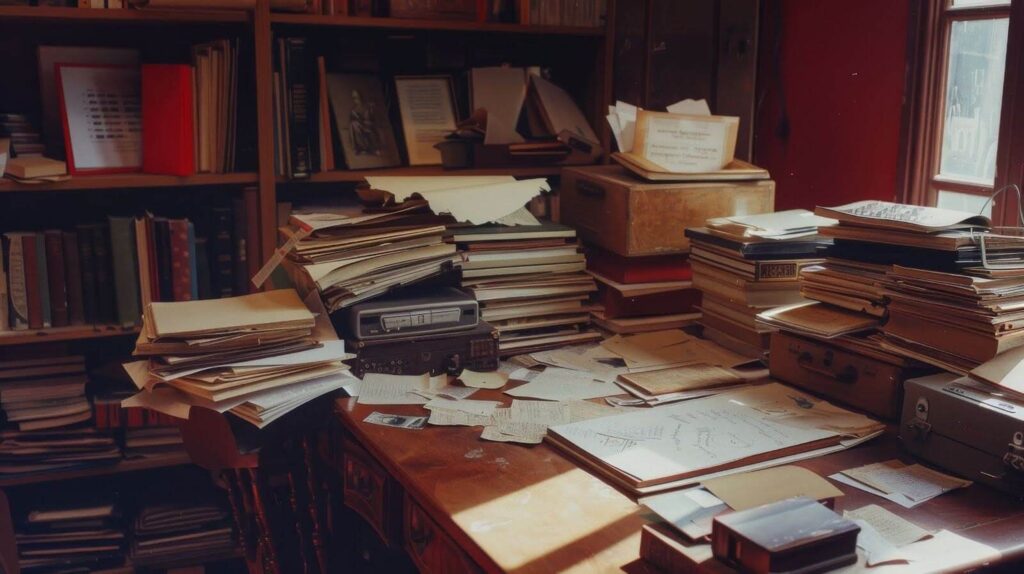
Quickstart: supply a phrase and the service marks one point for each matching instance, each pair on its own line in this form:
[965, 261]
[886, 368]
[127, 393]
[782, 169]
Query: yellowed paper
[750, 489]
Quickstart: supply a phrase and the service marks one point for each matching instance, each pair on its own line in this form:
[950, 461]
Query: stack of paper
[745, 265]
[685, 443]
[81, 537]
[258, 356]
[194, 530]
[348, 255]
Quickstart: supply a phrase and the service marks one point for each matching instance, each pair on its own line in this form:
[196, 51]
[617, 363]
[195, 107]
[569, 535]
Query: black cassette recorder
[475, 349]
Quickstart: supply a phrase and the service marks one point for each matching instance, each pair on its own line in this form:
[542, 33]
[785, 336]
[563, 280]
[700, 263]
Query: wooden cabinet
[368, 491]
[668, 50]
[429, 547]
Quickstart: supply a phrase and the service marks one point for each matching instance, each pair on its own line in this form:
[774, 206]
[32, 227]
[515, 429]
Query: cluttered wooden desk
[448, 498]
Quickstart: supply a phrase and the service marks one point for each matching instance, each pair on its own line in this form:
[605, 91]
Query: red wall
[842, 77]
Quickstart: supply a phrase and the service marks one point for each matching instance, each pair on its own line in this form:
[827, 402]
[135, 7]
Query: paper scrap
[477, 203]
[378, 389]
[448, 392]
[690, 510]
[555, 384]
[475, 380]
[751, 489]
[492, 433]
[895, 529]
[877, 550]
[445, 417]
[482, 408]
[914, 482]
[690, 107]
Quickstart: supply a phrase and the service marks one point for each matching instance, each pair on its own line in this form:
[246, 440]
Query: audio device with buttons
[442, 311]
[475, 349]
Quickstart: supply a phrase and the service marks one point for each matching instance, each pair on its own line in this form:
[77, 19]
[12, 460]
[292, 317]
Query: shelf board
[358, 175]
[53, 14]
[420, 24]
[130, 181]
[127, 465]
[54, 334]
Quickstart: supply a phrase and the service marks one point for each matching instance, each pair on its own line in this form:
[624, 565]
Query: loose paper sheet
[690, 107]
[378, 389]
[445, 417]
[482, 408]
[689, 510]
[896, 530]
[750, 489]
[556, 384]
[475, 380]
[477, 204]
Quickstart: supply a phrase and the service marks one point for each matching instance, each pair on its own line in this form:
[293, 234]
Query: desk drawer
[428, 546]
[367, 488]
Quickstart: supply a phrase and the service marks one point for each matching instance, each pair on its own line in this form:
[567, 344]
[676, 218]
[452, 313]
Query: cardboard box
[611, 208]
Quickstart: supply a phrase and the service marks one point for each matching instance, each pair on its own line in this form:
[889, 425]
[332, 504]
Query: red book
[59, 316]
[618, 304]
[653, 269]
[168, 137]
[181, 261]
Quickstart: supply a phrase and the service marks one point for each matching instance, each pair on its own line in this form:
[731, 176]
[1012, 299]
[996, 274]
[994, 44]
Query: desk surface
[521, 508]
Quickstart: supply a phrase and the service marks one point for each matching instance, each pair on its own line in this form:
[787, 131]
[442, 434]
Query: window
[956, 121]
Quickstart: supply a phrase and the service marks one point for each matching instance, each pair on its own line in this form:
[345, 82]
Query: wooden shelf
[75, 333]
[130, 181]
[128, 465]
[441, 25]
[52, 14]
[341, 176]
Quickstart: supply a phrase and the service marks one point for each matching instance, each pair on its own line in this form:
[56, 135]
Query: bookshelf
[434, 25]
[125, 466]
[60, 334]
[131, 181]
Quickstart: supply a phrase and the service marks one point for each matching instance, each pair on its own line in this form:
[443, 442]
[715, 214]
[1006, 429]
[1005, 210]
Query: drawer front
[429, 547]
[856, 380]
[366, 488]
[596, 208]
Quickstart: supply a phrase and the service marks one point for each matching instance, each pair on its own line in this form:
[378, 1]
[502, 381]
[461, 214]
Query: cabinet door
[681, 50]
[429, 547]
[737, 68]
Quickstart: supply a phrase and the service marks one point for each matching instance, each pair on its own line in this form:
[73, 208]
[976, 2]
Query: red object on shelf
[648, 269]
[168, 128]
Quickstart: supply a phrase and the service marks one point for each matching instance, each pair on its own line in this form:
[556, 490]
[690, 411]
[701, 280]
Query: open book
[902, 217]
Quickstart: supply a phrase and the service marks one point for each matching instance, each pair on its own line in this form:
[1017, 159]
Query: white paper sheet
[556, 384]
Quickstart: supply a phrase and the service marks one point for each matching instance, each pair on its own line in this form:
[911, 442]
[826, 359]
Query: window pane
[974, 91]
[964, 202]
[977, 3]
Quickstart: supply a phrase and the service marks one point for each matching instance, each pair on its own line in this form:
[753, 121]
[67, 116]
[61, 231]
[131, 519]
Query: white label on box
[686, 145]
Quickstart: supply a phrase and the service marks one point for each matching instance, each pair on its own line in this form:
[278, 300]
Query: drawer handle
[360, 481]
[588, 189]
[847, 376]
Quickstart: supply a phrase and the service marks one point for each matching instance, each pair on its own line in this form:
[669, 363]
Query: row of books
[49, 422]
[81, 536]
[104, 273]
[585, 13]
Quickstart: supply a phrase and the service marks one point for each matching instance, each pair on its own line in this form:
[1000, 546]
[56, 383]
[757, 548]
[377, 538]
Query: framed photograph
[102, 117]
[427, 105]
[361, 115]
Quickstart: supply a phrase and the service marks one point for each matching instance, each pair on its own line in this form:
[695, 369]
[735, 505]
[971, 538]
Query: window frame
[924, 110]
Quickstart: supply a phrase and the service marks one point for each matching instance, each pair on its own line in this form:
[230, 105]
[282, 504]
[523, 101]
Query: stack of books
[104, 273]
[145, 432]
[258, 356]
[349, 254]
[642, 294]
[46, 411]
[190, 532]
[24, 136]
[745, 265]
[953, 283]
[530, 283]
[70, 538]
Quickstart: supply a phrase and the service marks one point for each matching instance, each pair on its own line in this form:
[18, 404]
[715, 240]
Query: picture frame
[427, 108]
[362, 119]
[101, 113]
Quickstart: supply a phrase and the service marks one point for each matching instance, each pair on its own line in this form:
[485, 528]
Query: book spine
[87, 260]
[57, 284]
[18, 291]
[238, 240]
[5, 311]
[106, 295]
[125, 269]
[193, 262]
[203, 281]
[298, 106]
[655, 551]
[43, 279]
[778, 270]
[73, 277]
[164, 259]
[181, 265]
[222, 270]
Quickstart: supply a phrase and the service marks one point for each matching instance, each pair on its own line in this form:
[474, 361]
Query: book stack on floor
[949, 302]
[349, 254]
[104, 273]
[644, 293]
[744, 265]
[47, 413]
[181, 532]
[257, 356]
[70, 538]
[530, 283]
